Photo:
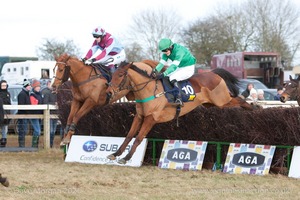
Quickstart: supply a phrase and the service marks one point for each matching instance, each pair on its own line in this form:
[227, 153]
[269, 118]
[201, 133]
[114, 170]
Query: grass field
[45, 175]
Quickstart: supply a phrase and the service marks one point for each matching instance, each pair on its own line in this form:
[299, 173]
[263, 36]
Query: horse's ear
[291, 78]
[298, 78]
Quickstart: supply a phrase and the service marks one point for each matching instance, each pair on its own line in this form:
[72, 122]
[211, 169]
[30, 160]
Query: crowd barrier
[46, 116]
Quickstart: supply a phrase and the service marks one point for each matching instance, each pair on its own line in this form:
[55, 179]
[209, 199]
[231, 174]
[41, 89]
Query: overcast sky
[24, 23]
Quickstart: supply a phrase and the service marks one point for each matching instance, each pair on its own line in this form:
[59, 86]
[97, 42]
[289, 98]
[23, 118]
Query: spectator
[279, 92]
[23, 99]
[5, 97]
[260, 95]
[246, 92]
[253, 95]
[35, 99]
[50, 98]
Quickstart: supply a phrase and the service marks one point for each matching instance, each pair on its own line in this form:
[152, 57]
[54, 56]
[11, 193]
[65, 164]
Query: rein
[67, 74]
[131, 88]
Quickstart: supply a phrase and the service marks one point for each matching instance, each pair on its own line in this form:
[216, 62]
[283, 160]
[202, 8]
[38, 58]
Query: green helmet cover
[164, 43]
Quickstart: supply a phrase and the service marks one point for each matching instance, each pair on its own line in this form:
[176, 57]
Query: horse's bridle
[64, 77]
[121, 87]
[296, 88]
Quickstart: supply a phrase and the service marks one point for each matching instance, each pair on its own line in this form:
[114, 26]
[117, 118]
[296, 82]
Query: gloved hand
[89, 61]
[83, 60]
[154, 73]
[160, 76]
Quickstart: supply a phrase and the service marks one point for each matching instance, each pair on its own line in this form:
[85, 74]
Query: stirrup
[179, 101]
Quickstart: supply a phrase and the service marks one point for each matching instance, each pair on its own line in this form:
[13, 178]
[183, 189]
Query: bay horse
[152, 105]
[291, 90]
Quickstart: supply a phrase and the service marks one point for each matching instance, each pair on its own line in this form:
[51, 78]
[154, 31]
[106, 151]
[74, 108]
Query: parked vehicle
[268, 93]
[263, 66]
[16, 72]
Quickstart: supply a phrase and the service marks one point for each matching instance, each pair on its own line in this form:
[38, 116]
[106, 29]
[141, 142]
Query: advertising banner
[94, 150]
[182, 154]
[249, 159]
[295, 163]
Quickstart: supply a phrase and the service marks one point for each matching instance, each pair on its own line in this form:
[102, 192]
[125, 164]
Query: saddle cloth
[187, 91]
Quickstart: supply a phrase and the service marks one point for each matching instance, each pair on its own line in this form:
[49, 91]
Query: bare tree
[276, 26]
[148, 27]
[51, 48]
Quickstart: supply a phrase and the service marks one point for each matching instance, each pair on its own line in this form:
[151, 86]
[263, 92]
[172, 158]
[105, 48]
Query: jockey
[181, 68]
[104, 47]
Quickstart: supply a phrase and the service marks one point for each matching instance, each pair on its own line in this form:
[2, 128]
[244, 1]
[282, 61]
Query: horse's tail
[230, 80]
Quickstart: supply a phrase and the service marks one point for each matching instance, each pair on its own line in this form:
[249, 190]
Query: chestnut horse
[88, 89]
[292, 90]
[153, 107]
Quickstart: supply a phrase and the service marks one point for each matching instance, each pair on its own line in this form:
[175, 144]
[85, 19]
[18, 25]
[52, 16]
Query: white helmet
[98, 31]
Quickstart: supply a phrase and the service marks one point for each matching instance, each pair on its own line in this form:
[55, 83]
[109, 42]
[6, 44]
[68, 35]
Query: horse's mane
[132, 66]
[230, 79]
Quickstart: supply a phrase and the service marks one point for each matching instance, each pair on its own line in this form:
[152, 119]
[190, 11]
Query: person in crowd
[51, 98]
[260, 95]
[35, 99]
[279, 92]
[105, 46]
[23, 99]
[253, 95]
[6, 100]
[246, 92]
[181, 68]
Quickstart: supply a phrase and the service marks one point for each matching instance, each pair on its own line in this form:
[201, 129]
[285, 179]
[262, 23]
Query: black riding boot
[21, 141]
[178, 98]
[3, 142]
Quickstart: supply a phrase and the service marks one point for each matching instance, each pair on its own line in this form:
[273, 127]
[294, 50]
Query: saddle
[104, 71]
[187, 91]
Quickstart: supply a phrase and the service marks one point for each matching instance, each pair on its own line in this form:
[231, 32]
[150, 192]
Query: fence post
[47, 127]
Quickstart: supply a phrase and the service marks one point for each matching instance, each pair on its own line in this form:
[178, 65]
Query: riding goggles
[96, 36]
[165, 50]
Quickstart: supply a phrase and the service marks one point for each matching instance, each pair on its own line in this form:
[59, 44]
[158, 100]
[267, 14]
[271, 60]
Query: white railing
[45, 116]
[270, 104]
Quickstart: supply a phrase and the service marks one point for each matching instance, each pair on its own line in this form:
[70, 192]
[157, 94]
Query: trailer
[16, 72]
[263, 66]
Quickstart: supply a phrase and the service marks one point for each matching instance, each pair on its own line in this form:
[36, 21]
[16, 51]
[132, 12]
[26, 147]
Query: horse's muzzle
[283, 99]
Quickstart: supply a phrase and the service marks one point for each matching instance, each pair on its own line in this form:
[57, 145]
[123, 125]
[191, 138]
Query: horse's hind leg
[136, 124]
[239, 102]
[147, 125]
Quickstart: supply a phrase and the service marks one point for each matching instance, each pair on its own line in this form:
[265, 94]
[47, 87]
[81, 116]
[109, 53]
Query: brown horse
[292, 90]
[153, 107]
[88, 89]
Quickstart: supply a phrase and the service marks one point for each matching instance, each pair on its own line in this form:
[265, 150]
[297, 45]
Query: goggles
[96, 36]
[165, 50]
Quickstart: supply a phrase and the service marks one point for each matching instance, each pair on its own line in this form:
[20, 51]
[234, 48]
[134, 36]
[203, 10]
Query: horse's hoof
[111, 157]
[122, 161]
[65, 141]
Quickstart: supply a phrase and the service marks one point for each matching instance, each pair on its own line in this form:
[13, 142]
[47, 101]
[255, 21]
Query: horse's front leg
[70, 128]
[147, 125]
[136, 124]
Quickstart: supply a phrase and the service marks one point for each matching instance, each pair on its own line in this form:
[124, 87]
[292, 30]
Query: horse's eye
[120, 74]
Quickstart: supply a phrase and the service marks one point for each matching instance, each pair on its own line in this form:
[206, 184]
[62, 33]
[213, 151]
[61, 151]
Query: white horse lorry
[16, 72]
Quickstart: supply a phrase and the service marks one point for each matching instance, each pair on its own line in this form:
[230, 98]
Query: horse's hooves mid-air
[111, 157]
[122, 161]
